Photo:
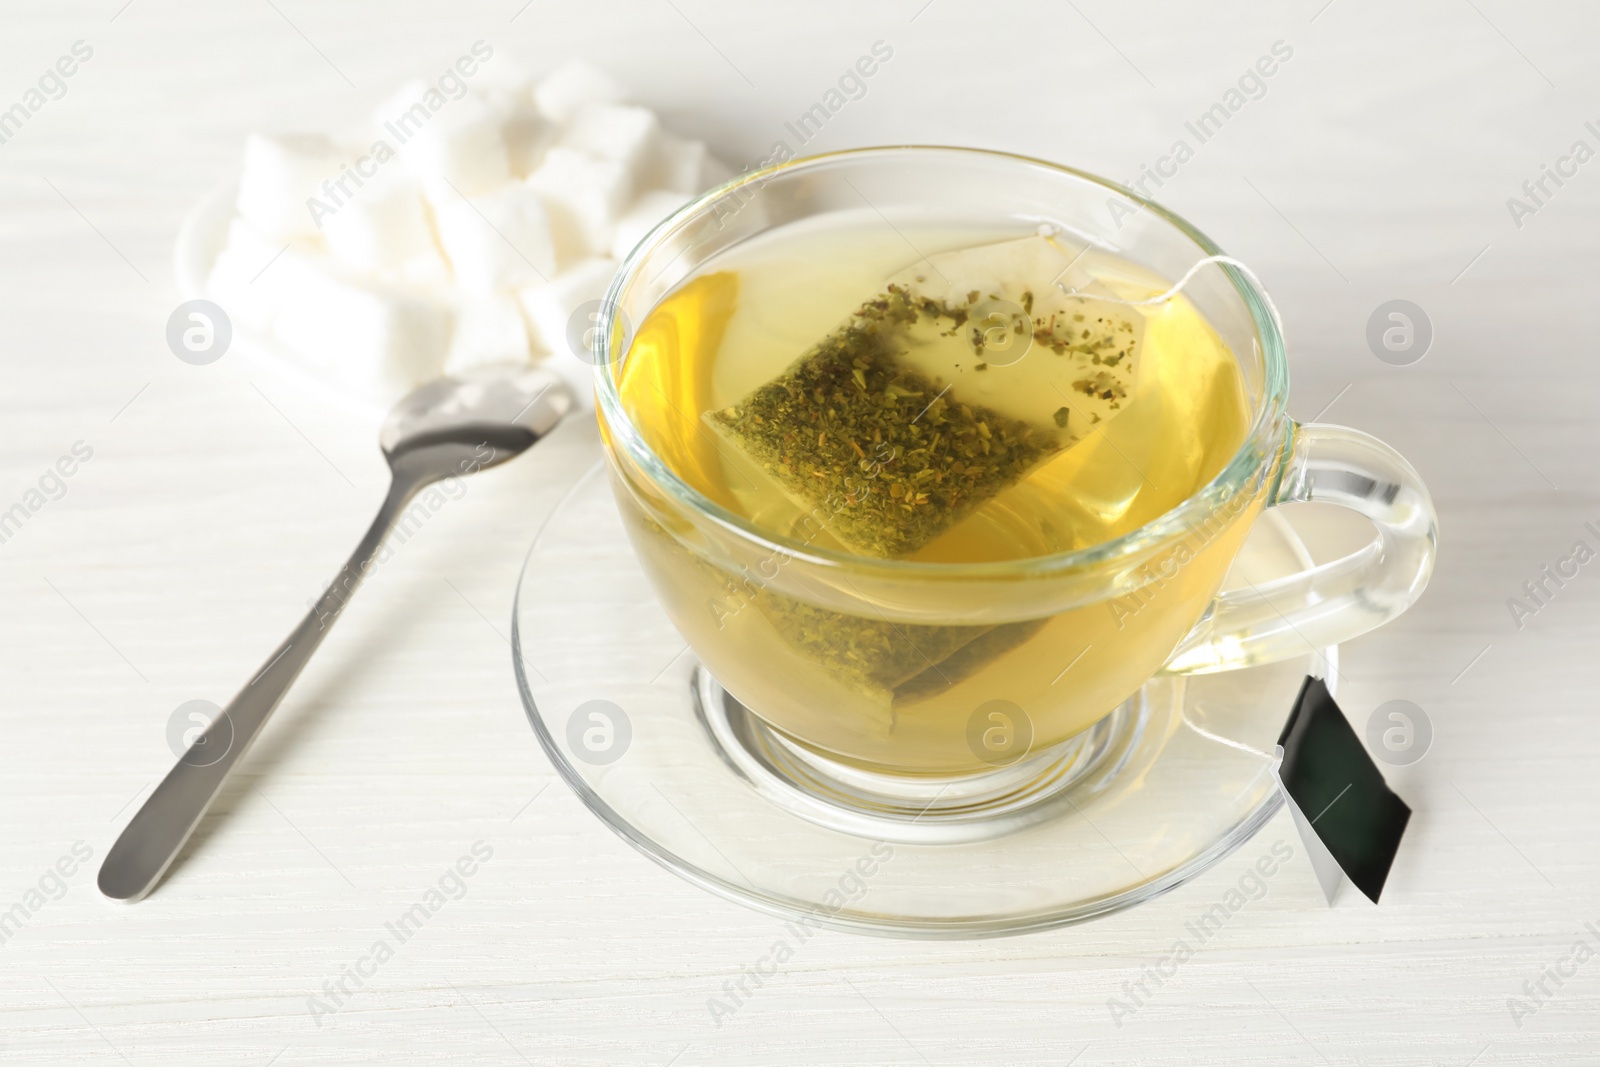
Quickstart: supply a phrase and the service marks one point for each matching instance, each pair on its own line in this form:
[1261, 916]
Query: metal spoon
[450, 427]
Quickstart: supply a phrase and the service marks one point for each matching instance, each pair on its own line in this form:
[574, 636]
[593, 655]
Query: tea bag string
[1161, 298]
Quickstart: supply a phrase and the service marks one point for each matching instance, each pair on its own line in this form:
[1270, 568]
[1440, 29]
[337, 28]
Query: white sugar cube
[523, 128]
[232, 282]
[570, 87]
[619, 132]
[498, 241]
[642, 217]
[527, 136]
[488, 330]
[254, 278]
[714, 172]
[377, 341]
[584, 195]
[684, 166]
[453, 144]
[678, 165]
[281, 174]
[384, 229]
[549, 308]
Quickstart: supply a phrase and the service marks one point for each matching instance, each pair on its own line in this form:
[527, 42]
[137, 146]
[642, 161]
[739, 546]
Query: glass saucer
[1158, 791]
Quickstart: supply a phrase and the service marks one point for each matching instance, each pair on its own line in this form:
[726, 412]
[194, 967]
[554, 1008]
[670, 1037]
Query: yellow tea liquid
[906, 679]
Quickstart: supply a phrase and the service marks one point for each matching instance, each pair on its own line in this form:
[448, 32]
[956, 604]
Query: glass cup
[982, 667]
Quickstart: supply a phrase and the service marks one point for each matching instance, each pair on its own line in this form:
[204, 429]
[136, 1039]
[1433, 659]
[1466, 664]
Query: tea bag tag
[1349, 820]
[1329, 875]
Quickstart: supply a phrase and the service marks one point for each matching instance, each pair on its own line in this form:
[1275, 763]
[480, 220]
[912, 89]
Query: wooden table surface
[1376, 164]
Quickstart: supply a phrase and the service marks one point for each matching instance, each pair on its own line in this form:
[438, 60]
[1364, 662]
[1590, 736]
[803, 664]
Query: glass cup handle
[1336, 601]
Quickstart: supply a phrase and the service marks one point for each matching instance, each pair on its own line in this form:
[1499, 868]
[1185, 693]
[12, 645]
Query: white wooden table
[1377, 165]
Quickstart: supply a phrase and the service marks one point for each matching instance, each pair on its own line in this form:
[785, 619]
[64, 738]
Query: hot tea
[931, 393]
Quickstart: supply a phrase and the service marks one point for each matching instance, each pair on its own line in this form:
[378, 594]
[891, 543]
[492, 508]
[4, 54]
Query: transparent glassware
[1156, 760]
[694, 548]
[1167, 785]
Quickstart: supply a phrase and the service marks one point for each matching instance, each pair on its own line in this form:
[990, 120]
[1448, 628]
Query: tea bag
[993, 642]
[947, 387]
[876, 654]
[942, 390]
[892, 665]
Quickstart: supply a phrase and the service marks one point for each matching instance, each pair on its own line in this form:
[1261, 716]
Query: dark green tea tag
[1346, 812]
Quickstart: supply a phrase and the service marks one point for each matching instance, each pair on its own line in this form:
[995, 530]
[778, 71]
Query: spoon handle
[151, 840]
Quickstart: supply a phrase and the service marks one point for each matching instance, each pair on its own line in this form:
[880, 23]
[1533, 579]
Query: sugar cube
[378, 341]
[281, 174]
[384, 230]
[498, 207]
[570, 87]
[549, 308]
[488, 330]
[714, 172]
[523, 128]
[453, 143]
[677, 164]
[584, 195]
[498, 241]
[618, 132]
[254, 278]
[648, 210]
[684, 166]
[234, 279]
